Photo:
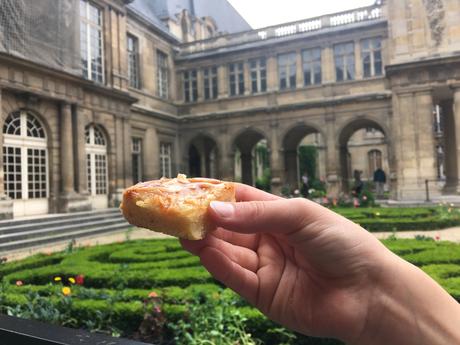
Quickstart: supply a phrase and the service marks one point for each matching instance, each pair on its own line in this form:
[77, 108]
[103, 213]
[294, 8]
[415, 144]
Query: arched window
[25, 160]
[375, 161]
[96, 160]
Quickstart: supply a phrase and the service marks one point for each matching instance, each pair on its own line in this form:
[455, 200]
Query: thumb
[282, 216]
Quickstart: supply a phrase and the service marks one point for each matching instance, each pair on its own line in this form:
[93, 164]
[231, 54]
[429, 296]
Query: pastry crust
[176, 207]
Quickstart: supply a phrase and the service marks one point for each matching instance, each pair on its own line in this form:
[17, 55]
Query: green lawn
[118, 278]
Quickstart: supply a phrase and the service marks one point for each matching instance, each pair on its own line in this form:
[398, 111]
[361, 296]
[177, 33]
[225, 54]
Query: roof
[228, 20]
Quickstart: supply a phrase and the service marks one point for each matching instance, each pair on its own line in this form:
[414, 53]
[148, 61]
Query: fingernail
[223, 209]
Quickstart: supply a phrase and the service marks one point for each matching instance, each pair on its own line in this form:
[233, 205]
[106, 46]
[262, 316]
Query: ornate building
[98, 94]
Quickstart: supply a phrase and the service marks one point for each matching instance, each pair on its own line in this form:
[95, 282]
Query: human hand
[306, 267]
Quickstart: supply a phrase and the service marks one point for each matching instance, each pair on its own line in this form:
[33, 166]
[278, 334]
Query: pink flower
[157, 309]
[364, 197]
[19, 283]
[437, 237]
[355, 202]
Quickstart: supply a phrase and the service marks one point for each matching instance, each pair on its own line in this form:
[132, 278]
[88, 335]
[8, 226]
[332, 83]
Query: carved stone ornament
[435, 13]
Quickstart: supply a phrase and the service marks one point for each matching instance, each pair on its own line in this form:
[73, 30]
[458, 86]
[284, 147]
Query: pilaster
[276, 161]
[332, 157]
[222, 81]
[6, 203]
[299, 69]
[272, 73]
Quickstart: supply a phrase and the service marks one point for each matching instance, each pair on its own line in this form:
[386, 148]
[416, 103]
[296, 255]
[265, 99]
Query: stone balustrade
[363, 14]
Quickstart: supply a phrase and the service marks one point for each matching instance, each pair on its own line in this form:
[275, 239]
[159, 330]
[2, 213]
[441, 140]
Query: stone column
[6, 204]
[127, 154]
[222, 81]
[272, 73]
[415, 149]
[332, 157]
[226, 160]
[66, 148]
[151, 157]
[200, 84]
[291, 168]
[80, 154]
[299, 70]
[276, 160]
[247, 78]
[456, 108]
[358, 61]
[119, 159]
[327, 64]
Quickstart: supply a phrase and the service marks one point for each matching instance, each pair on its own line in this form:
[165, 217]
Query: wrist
[408, 307]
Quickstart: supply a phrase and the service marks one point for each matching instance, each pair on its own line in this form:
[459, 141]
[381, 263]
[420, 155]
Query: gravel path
[451, 234]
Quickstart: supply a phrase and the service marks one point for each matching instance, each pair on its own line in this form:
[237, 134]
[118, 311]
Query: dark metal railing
[15, 331]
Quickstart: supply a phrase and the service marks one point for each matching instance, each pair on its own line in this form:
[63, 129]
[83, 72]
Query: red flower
[80, 279]
[437, 237]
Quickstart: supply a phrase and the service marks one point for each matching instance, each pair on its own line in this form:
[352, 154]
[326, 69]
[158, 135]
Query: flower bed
[154, 291]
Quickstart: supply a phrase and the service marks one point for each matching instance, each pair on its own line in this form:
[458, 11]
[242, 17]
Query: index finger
[247, 193]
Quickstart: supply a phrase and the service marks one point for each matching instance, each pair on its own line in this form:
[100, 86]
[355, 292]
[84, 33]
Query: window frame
[372, 50]
[24, 143]
[210, 83]
[258, 75]
[137, 150]
[162, 75]
[289, 68]
[190, 84]
[347, 59]
[311, 64]
[134, 66]
[236, 79]
[86, 22]
[166, 149]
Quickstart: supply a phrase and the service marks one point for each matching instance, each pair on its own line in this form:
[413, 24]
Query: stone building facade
[125, 92]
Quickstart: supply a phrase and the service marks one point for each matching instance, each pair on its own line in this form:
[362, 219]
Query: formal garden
[153, 291]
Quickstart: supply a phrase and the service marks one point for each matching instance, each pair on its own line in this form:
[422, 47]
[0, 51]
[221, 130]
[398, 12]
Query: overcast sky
[261, 13]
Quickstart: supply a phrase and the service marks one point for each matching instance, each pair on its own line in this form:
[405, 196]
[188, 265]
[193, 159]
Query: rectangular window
[136, 151]
[371, 54]
[236, 78]
[344, 56]
[36, 173]
[165, 159]
[133, 62]
[210, 83]
[12, 172]
[311, 60]
[91, 42]
[190, 86]
[258, 70]
[287, 71]
[101, 174]
[162, 75]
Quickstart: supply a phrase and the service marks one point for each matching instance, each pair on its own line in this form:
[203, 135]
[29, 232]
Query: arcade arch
[203, 157]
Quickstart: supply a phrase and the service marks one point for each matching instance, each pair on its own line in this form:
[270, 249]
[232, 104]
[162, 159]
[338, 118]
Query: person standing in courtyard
[379, 180]
[305, 186]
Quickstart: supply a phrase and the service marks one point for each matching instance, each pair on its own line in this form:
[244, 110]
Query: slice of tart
[177, 206]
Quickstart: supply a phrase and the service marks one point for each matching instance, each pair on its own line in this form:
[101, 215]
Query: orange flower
[153, 294]
[19, 283]
[66, 291]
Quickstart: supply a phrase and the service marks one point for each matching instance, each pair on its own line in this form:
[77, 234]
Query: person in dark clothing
[379, 180]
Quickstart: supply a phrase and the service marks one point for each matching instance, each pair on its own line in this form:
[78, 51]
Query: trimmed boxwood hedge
[119, 277]
[402, 219]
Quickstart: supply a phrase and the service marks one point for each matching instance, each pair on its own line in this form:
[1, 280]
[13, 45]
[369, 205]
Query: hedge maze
[113, 288]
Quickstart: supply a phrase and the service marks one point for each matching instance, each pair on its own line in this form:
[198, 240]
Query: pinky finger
[232, 275]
